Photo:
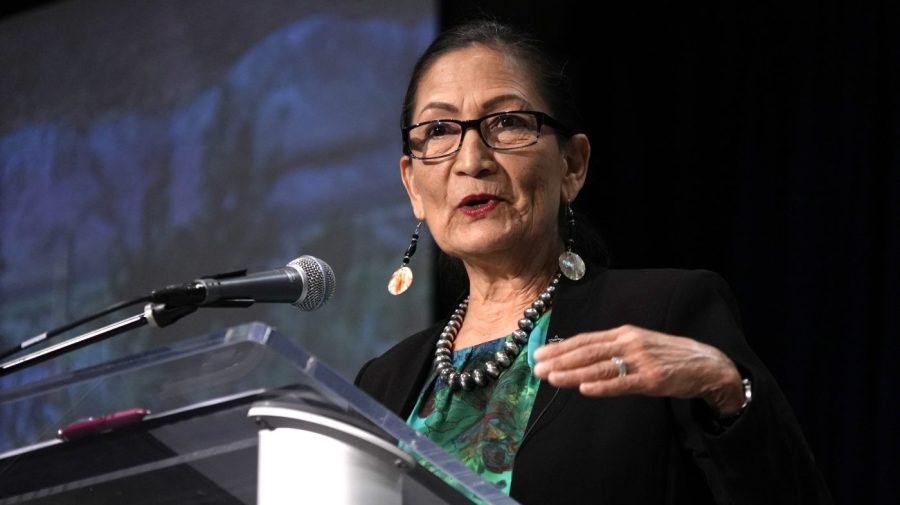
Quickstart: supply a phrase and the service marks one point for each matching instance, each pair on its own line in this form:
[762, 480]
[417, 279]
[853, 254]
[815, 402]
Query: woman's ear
[576, 155]
[409, 182]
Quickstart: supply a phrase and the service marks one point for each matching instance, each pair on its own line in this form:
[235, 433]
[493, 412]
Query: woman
[558, 381]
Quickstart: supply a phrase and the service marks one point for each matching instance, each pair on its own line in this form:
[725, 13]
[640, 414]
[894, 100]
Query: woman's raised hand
[634, 360]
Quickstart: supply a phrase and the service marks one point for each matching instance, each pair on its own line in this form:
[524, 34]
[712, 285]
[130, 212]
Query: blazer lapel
[565, 322]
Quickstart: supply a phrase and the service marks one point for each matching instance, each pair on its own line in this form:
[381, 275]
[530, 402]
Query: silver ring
[619, 362]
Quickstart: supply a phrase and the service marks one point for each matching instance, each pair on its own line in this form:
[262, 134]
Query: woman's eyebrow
[443, 106]
[497, 100]
[489, 104]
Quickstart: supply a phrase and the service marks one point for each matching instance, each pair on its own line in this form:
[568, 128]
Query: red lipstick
[478, 205]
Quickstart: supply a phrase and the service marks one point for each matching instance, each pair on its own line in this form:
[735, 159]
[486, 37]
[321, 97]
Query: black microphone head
[318, 279]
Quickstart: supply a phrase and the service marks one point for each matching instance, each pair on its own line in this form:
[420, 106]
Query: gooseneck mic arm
[157, 314]
[66, 327]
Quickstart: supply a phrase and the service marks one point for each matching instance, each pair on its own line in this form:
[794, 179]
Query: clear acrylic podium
[242, 416]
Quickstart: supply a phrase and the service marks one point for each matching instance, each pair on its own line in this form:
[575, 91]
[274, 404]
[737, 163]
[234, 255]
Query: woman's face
[481, 203]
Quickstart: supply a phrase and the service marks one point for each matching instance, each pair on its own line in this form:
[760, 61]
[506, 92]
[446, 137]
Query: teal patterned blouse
[482, 427]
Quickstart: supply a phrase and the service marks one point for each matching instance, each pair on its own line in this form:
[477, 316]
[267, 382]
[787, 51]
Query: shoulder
[653, 284]
[654, 279]
[653, 298]
[699, 303]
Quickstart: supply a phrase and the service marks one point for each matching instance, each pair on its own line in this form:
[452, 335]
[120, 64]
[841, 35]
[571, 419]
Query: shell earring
[570, 263]
[402, 278]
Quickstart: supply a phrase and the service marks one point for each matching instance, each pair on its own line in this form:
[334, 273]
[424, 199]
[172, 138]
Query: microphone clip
[190, 293]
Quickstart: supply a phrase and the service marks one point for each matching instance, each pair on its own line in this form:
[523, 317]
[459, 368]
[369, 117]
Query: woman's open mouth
[478, 205]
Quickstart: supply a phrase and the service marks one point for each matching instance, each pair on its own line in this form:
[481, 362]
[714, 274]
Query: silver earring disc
[571, 265]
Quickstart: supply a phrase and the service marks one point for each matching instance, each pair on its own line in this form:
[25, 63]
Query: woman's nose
[473, 154]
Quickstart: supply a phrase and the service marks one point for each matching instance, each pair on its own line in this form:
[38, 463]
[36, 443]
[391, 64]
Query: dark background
[759, 140]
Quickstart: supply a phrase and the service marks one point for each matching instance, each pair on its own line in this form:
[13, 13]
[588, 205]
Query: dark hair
[552, 84]
[549, 77]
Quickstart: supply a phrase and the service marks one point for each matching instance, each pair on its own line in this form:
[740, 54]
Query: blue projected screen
[144, 144]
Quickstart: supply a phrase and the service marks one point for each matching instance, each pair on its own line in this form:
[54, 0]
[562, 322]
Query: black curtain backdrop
[759, 140]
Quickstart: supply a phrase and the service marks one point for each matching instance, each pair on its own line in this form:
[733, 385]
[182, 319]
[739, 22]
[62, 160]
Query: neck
[498, 296]
[523, 274]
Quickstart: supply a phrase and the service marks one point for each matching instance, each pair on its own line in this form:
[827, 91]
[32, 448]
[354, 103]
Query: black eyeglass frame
[540, 117]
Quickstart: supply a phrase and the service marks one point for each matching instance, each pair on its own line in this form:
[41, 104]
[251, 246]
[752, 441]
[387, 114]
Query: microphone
[306, 283]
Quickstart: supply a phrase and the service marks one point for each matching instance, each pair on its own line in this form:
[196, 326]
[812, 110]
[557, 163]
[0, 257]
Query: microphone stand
[66, 327]
[156, 314]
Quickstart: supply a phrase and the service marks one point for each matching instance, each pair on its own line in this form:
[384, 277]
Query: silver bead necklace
[502, 359]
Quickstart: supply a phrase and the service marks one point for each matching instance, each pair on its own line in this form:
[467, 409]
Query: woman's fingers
[629, 359]
[583, 350]
[572, 376]
[586, 356]
[574, 343]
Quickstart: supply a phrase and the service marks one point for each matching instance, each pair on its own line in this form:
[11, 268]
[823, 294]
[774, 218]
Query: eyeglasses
[501, 131]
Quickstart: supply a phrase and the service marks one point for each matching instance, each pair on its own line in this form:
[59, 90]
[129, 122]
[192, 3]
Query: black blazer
[636, 449]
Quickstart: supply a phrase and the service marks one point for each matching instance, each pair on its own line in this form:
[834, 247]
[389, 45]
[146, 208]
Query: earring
[570, 263]
[402, 278]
